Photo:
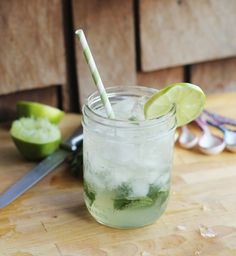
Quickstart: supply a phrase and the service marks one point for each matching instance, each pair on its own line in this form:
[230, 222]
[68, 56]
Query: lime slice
[35, 138]
[34, 109]
[188, 98]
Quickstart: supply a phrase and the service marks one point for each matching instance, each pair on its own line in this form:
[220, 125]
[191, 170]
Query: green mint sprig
[90, 194]
[123, 200]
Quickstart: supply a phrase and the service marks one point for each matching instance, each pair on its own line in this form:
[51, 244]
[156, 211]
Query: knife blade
[42, 169]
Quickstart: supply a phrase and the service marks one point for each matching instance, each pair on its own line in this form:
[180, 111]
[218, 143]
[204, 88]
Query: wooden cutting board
[51, 218]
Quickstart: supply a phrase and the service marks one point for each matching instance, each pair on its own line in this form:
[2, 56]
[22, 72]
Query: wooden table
[51, 218]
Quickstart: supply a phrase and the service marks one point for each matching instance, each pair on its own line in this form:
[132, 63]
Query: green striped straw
[95, 74]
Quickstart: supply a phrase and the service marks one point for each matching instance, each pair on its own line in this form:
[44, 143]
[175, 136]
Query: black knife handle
[74, 140]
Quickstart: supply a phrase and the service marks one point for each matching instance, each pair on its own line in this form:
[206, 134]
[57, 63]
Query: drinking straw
[95, 74]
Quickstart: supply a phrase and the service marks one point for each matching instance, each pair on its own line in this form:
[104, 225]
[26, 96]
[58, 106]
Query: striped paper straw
[95, 74]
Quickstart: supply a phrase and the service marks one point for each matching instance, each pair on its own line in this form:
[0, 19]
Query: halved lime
[188, 98]
[35, 109]
[35, 138]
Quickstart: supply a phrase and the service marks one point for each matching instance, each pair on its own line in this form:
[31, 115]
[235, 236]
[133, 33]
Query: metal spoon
[229, 135]
[209, 143]
[176, 136]
[187, 139]
[220, 119]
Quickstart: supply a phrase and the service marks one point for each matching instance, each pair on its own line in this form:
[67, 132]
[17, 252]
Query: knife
[43, 168]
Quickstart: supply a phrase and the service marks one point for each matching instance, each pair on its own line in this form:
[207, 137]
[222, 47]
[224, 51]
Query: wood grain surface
[109, 28]
[161, 78]
[51, 218]
[177, 32]
[32, 45]
[215, 76]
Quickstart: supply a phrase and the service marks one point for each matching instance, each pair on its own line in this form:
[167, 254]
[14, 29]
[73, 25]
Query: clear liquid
[107, 209]
[126, 171]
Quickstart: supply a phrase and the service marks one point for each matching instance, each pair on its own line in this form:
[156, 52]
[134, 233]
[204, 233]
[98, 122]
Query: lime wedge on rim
[189, 100]
[35, 109]
[35, 138]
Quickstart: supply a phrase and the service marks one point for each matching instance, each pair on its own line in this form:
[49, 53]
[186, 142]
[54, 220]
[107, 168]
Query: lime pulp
[35, 138]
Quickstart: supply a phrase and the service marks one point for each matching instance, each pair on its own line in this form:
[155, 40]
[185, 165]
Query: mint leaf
[162, 196]
[133, 118]
[121, 204]
[123, 200]
[91, 195]
[121, 194]
[156, 193]
[122, 191]
[153, 192]
[141, 202]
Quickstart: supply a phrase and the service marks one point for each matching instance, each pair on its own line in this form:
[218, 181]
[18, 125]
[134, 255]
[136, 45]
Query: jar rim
[88, 111]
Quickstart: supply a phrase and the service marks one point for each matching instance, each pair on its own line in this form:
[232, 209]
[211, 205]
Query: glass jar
[127, 163]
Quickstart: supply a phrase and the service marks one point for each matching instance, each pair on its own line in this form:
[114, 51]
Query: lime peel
[35, 109]
[189, 100]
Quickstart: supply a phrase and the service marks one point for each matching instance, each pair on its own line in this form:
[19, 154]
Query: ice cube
[207, 232]
[123, 108]
[121, 174]
[137, 112]
[163, 180]
[139, 188]
[129, 109]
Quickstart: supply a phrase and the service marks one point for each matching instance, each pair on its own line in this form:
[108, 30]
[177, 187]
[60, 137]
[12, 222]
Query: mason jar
[127, 160]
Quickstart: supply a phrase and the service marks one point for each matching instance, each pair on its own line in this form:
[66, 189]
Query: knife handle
[74, 140]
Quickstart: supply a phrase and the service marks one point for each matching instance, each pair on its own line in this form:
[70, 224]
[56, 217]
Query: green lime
[189, 100]
[35, 109]
[35, 138]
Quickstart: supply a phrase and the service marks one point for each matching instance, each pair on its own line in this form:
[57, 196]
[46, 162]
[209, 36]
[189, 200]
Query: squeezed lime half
[189, 100]
[35, 109]
[35, 138]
